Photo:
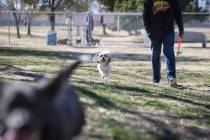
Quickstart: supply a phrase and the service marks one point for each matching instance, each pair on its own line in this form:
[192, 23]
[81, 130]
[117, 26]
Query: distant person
[89, 28]
[102, 20]
[25, 21]
[159, 16]
[103, 25]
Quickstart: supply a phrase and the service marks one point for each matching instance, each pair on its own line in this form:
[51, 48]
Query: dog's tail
[63, 76]
[66, 73]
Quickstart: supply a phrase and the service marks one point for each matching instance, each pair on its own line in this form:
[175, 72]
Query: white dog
[103, 61]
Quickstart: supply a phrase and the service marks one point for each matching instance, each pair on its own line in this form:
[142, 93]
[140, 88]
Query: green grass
[126, 106]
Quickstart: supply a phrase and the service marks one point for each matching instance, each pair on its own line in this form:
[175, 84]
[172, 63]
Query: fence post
[118, 23]
[9, 28]
[78, 30]
[69, 26]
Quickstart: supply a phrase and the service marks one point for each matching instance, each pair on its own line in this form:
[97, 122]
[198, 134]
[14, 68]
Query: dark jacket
[159, 16]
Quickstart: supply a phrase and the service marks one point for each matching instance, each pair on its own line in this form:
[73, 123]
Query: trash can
[51, 38]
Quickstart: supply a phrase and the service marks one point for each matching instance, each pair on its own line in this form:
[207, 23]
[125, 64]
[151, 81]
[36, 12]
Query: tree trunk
[29, 25]
[52, 16]
[17, 23]
[29, 28]
[52, 21]
[104, 29]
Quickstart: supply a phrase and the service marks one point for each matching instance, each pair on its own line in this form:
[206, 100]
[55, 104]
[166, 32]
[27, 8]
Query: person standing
[89, 28]
[25, 21]
[159, 17]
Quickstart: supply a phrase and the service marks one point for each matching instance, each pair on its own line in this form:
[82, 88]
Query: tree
[12, 5]
[1, 7]
[189, 6]
[137, 5]
[110, 4]
[74, 5]
[128, 6]
[123, 5]
[30, 6]
[62, 5]
[52, 4]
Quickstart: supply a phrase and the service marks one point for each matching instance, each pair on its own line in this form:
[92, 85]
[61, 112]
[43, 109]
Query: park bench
[194, 37]
[189, 37]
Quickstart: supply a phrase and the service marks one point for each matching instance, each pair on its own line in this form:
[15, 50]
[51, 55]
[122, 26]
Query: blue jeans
[168, 50]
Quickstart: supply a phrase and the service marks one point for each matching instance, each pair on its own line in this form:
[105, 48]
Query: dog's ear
[109, 58]
[95, 57]
[52, 88]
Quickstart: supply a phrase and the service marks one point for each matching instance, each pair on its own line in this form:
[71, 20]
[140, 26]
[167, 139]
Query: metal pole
[67, 22]
[118, 23]
[9, 28]
[70, 28]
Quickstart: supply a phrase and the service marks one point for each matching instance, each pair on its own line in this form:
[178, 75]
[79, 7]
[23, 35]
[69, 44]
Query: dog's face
[102, 58]
[25, 108]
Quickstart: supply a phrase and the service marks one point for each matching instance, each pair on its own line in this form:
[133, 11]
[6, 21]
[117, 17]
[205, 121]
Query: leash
[179, 51]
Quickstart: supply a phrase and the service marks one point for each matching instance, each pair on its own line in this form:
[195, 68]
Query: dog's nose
[18, 119]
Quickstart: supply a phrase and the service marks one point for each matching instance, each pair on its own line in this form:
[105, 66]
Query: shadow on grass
[31, 52]
[129, 90]
[5, 51]
[36, 76]
[165, 131]
[192, 59]
[13, 80]
[22, 35]
[188, 101]
[180, 87]
[100, 101]
[137, 91]
[13, 70]
[106, 103]
[4, 67]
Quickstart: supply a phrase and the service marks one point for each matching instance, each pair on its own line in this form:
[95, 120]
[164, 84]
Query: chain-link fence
[109, 29]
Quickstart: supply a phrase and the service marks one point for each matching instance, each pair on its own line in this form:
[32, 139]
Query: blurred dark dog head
[46, 110]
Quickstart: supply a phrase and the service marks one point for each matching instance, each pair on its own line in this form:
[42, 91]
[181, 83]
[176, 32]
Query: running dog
[103, 61]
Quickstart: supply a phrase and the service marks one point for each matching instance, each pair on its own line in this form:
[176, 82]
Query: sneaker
[172, 81]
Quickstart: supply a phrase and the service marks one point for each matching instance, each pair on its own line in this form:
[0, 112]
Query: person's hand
[181, 33]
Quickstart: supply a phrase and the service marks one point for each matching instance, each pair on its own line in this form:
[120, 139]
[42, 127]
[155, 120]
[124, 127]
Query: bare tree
[12, 5]
[79, 5]
[30, 6]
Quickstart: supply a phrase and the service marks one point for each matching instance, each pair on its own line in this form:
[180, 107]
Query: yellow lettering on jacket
[160, 6]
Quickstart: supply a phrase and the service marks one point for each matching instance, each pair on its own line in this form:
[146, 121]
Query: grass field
[126, 106]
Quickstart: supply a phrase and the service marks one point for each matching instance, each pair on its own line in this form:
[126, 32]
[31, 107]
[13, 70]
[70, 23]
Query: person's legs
[156, 63]
[168, 50]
